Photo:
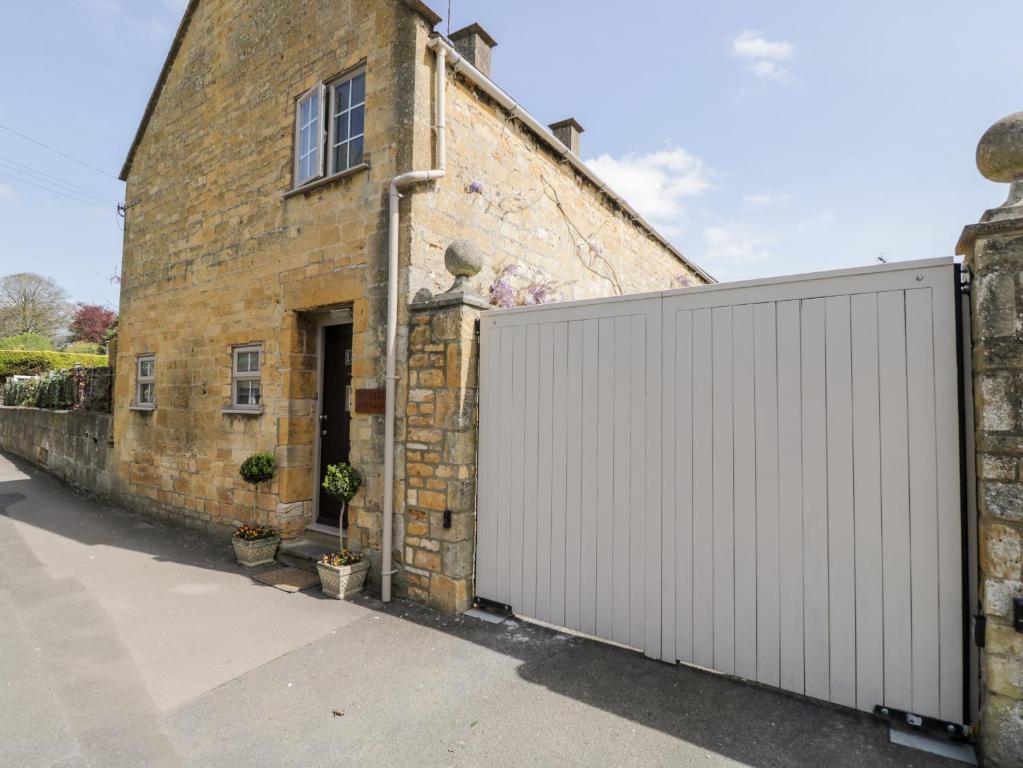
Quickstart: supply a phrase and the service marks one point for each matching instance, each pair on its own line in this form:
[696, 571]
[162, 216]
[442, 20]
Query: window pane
[146, 393]
[355, 152]
[341, 128]
[358, 89]
[341, 95]
[248, 361]
[358, 121]
[246, 393]
[146, 369]
[341, 158]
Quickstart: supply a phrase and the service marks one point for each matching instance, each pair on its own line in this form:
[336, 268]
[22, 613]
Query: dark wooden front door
[335, 417]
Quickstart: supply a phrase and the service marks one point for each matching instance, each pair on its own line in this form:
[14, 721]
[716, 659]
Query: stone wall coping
[974, 232]
[451, 299]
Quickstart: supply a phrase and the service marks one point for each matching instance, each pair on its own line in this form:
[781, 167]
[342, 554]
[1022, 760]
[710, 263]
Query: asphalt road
[129, 642]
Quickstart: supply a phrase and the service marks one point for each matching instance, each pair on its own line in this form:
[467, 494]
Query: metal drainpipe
[397, 184]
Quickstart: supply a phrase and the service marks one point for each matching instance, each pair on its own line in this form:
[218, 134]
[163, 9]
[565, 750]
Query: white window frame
[333, 112]
[237, 376]
[318, 92]
[140, 381]
[326, 95]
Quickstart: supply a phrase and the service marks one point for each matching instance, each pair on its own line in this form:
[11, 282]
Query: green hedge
[30, 363]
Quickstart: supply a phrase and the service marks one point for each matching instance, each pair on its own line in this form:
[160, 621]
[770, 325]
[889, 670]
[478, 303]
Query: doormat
[288, 579]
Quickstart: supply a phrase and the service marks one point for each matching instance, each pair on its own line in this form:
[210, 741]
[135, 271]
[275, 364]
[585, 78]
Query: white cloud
[731, 251]
[764, 200]
[656, 184]
[765, 58]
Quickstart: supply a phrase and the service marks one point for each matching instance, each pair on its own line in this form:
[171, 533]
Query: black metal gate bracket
[923, 723]
[492, 606]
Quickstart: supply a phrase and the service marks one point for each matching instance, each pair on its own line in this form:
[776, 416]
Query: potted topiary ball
[342, 573]
[256, 544]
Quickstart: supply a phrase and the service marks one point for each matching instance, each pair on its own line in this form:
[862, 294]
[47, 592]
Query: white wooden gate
[761, 478]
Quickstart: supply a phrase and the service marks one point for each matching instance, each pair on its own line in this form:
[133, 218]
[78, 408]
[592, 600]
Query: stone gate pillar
[440, 450]
[993, 253]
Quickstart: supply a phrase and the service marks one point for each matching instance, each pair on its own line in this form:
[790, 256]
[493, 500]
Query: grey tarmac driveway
[128, 642]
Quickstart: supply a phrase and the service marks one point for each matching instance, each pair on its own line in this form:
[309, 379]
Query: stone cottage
[299, 174]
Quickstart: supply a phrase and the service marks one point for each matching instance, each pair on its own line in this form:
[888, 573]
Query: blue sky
[762, 138]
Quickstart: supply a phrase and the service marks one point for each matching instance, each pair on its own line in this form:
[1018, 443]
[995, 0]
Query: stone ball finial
[463, 260]
[1000, 151]
[1000, 158]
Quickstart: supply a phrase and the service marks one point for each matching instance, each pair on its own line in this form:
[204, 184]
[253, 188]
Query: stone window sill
[142, 407]
[319, 183]
[236, 411]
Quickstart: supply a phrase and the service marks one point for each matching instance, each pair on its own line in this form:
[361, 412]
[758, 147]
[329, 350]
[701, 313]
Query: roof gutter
[515, 110]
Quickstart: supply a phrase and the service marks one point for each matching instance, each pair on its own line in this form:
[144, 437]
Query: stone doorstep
[303, 552]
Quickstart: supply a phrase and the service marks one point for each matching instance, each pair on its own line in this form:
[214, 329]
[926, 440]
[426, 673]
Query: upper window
[245, 386]
[145, 380]
[330, 127]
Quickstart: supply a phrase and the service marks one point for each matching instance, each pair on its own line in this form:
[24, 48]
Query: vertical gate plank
[654, 373]
[591, 519]
[517, 468]
[544, 469]
[637, 501]
[815, 500]
[767, 525]
[867, 496]
[745, 493]
[605, 475]
[560, 472]
[723, 483]
[530, 419]
[490, 399]
[679, 477]
[841, 528]
[507, 351]
[574, 477]
[923, 500]
[703, 497]
[790, 496]
[950, 549]
[670, 403]
[891, 322]
[621, 474]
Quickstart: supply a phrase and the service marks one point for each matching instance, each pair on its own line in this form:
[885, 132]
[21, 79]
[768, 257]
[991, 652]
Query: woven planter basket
[341, 581]
[257, 551]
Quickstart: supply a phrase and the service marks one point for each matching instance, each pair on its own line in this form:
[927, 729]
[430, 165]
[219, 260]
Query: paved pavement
[128, 642]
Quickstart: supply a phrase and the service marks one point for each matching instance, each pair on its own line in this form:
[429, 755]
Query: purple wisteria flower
[502, 294]
[474, 187]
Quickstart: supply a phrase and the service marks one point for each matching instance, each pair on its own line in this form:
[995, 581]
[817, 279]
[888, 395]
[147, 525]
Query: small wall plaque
[370, 400]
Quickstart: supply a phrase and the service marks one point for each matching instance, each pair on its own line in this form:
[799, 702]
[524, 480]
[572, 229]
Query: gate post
[993, 253]
[438, 551]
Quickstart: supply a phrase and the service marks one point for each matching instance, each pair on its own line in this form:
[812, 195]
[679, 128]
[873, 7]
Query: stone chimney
[475, 45]
[567, 132]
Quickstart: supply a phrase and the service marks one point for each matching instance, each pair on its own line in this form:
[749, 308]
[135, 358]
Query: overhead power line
[47, 178]
[57, 151]
[84, 200]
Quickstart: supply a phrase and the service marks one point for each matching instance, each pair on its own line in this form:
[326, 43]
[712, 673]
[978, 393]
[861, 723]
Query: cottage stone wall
[215, 254]
[76, 446]
[993, 251]
[523, 206]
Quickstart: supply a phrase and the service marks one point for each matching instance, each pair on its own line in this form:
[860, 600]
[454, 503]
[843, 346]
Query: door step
[305, 551]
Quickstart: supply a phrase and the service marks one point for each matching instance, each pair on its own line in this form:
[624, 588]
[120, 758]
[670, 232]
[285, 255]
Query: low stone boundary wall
[76, 446]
